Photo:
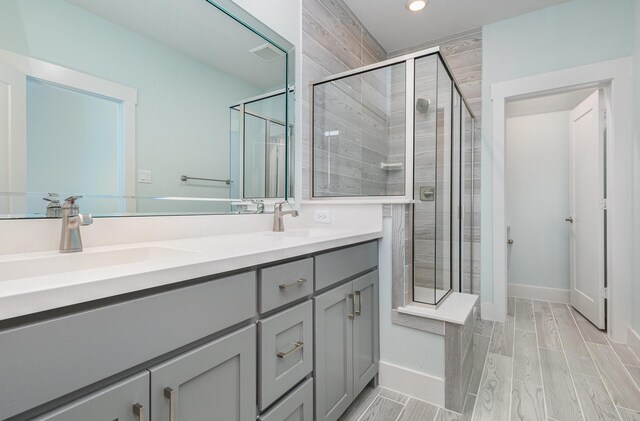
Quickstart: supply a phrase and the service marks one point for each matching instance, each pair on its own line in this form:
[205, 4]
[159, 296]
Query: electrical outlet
[144, 176]
[323, 216]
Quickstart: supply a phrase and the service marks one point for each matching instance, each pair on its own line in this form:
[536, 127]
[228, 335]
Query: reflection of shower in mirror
[422, 105]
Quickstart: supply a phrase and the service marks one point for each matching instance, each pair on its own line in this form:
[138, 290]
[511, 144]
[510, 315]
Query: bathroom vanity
[291, 335]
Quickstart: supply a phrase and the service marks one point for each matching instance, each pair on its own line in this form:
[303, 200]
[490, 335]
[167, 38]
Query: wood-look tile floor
[545, 363]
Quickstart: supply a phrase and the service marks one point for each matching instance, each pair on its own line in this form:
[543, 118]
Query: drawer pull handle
[357, 310]
[298, 345]
[296, 283]
[170, 394]
[353, 306]
[138, 411]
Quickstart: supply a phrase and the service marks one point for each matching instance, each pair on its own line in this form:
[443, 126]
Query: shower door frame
[408, 197]
[241, 109]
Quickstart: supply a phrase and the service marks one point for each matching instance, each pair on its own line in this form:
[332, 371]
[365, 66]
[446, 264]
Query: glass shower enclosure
[259, 152]
[401, 129]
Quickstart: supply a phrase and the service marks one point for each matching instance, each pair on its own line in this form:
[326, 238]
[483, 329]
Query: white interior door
[586, 205]
[13, 138]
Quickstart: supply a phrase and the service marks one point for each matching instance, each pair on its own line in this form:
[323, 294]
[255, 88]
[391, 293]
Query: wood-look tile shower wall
[463, 54]
[333, 41]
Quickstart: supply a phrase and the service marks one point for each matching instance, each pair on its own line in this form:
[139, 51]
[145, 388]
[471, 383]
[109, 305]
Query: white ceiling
[196, 29]
[396, 28]
[549, 103]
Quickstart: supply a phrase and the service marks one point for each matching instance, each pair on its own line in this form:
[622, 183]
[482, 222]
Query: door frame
[620, 151]
[127, 97]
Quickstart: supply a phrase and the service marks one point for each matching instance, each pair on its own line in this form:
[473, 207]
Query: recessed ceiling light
[416, 5]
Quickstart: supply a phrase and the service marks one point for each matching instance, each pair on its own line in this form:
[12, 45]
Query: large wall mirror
[145, 107]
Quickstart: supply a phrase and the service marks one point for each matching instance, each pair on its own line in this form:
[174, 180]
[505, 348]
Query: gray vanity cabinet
[296, 406]
[346, 341]
[216, 381]
[366, 349]
[127, 400]
[334, 352]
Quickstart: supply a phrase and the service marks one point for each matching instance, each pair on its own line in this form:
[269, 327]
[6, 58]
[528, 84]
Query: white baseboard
[538, 293]
[488, 312]
[413, 383]
[633, 340]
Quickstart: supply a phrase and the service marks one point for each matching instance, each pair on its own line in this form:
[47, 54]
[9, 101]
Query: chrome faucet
[70, 240]
[278, 213]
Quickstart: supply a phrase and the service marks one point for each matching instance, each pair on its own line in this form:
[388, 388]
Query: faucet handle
[72, 199]
[52, 197]
[85, 219]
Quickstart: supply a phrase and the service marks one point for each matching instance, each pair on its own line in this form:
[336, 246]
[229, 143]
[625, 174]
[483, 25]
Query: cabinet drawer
[282, 284]
[127, 400]
[89, 346]
[338, 265]
[286, 352]
[296, 406]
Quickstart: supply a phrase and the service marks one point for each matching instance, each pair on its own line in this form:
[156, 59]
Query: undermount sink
[301, 233]
[28, 267]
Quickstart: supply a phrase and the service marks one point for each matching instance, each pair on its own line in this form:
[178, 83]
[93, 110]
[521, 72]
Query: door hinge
[603, 113]
[604, 293]
[604, 204]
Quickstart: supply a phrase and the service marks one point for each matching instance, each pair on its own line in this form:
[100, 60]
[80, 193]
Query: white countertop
[167, 262]
[456, 308]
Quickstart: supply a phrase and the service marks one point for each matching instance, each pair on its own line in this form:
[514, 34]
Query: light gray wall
[400, 345]
[636, 124]
[538, 199]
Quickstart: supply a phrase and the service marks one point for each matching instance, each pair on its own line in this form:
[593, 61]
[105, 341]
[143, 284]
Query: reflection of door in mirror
[76, 144]
[12, 139]
[72, 133]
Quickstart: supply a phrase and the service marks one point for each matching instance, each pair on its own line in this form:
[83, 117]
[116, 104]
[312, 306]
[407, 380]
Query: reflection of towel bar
[186, 178]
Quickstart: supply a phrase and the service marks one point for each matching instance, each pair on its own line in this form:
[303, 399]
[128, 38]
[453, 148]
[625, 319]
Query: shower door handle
[569, 219]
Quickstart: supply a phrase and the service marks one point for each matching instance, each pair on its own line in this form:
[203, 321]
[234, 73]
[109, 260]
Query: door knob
[569, 219]
[509, 241]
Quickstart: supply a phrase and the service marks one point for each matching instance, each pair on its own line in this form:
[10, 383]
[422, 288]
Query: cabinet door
[366, 336]
[127, 400]
[216, 382]
[334, 352]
